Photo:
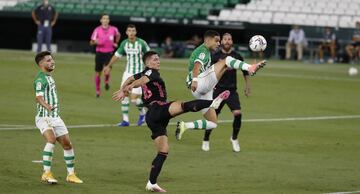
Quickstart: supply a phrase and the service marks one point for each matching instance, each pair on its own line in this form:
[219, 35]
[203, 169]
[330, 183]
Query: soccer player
[48, 120]
[106, 39]
[228, 82]
[134, 48]
[160, 111]
[203, 76]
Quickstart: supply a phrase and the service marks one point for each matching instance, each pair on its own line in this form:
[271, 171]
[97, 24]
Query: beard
[50, 69]
[227, 47]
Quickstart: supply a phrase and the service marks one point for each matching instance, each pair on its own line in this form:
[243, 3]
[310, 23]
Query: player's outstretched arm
[108, 67]
[128, 85]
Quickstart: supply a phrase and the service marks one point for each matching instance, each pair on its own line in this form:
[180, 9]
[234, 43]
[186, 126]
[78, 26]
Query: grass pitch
[290, 143]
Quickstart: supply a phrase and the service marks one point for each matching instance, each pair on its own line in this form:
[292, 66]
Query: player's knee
[67, 146]
[211, 125]
[51, 140]
[236, 113]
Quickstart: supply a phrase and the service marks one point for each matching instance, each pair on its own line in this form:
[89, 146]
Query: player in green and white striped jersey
[203, 77]
[133, 48]
[48, 120]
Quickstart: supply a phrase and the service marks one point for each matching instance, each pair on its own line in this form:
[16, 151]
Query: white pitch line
[347, 192]
[220, 121]
[296, 76]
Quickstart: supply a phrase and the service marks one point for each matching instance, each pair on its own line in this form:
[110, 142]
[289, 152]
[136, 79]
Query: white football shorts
[49, 123]
[137, 90]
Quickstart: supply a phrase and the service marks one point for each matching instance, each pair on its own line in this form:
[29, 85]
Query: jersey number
[147, 93]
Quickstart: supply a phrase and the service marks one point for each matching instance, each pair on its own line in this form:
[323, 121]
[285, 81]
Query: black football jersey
[155, 89]
[228, 80]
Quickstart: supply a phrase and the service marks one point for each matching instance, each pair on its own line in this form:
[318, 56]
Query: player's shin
[201, 124]
[140, 106]
[236, 126]
[47, 156]
[156, 166]
[195, 105]
[236, 64]
[125, 109]
[69, 157]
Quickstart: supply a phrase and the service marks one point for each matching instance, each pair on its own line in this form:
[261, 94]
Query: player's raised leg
[194, 106]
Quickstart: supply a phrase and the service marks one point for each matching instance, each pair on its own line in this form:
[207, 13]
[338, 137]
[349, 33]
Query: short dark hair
[211, 34]
[104, 14]
[40, 56]
[148, 54]
[130, 26]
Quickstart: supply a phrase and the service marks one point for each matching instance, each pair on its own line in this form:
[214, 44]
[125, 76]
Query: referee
[228, 82]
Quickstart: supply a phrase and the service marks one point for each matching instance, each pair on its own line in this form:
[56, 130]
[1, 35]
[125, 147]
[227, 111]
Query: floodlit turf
[295, 156]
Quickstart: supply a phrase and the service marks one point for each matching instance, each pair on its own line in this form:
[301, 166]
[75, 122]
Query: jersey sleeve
[152, 74]
[201, 57]
[145, 46]
[121, 50]
[39, 87]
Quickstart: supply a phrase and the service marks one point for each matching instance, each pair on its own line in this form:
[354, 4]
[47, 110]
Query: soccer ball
[257, 43]
[353, 71]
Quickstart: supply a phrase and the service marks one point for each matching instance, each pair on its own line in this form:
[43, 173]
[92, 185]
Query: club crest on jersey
[202, 56]
[148, 72]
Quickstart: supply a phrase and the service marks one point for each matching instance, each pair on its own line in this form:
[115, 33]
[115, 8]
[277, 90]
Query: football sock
[201, 124]
[207, 135]
[47, 156]
[195, 105]
[140, 106]
[125, 109]
[236, 64]
[97, 84]
[69, 160]
[236, 126]
[156, 166]
[107, 78]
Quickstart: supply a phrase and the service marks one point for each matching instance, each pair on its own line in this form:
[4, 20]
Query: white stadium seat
[335, 13]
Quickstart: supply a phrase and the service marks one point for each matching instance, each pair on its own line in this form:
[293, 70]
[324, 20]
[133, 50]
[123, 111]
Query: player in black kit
[228, 82]
[159, 110]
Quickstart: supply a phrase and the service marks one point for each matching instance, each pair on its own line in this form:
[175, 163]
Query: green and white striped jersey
[134, 52]
[44, 85]
[202, 55]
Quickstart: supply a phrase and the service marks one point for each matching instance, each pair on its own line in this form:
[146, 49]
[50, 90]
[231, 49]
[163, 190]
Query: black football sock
[236, 126]
[207, 135]
[156, 166]
[195, 105]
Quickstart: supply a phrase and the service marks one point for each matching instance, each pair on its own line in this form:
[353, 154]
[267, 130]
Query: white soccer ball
[257, 43]
[353, 71]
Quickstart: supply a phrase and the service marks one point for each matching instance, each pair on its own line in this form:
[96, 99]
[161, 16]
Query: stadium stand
[333, 13]
[145, 8]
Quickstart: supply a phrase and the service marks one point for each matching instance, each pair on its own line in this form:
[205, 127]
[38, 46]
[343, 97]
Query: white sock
[236, 64]
[47, 156]
[125, 109]
[69, 157]
[201, 124]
